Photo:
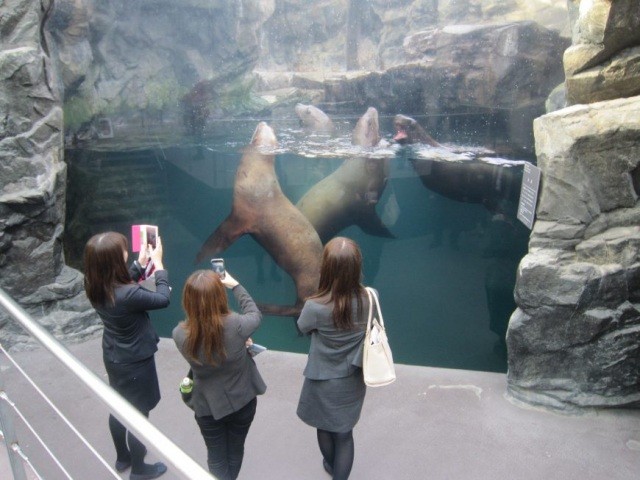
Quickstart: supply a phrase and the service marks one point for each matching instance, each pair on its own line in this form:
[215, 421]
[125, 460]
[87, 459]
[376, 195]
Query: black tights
[135, 451]
[337, 449]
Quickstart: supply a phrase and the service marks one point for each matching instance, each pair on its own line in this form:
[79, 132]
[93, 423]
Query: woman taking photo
[333, 390]
[226, 380]
[129, 340]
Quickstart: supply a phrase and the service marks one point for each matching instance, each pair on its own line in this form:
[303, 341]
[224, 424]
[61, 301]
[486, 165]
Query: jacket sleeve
[135, 272]
[308, 319]
[250, 316]
[142, 299]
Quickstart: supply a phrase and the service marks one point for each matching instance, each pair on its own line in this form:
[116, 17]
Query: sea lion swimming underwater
[350, 194]
[261, 210]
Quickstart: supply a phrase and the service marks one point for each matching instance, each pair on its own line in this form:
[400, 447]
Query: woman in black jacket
[129, 340]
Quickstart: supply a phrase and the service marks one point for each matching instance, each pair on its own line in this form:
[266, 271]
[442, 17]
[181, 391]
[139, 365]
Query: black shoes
[154, 471]
[122, 465]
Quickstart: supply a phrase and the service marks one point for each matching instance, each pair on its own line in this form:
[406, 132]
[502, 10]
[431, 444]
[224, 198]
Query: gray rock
[547, 364]
[569, 285]
[633, 282]
[617, 245]
[601, 29]
[623, 217]
[602, 63]
[407, 17]
[557, 99]
[33, 183]
[137, 60]
[573, 342]
[558, 231]
[618, 76]
[467, 68]
[582, 185]
[223, 42]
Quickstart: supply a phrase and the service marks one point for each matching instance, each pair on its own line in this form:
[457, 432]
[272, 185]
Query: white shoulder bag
[377, 361]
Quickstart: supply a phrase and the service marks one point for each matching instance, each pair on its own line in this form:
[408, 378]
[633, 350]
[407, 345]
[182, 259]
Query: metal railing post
[123, 410]
[9, 434]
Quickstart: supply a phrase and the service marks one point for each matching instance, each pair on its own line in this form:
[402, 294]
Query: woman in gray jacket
[333, 390]
[226, 380]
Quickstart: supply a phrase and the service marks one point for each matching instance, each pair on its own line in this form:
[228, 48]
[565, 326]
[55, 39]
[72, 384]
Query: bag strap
[373, 298]
[377, 302]
[370, 316]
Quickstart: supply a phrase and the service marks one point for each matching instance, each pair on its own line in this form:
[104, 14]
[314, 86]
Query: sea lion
[314, 119]
[409, 131]
[470, 180]
[349, 195]
[261, 210]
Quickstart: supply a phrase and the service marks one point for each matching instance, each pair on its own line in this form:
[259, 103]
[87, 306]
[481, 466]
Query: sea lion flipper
[227, 233]
[371, 224]
[280, 310]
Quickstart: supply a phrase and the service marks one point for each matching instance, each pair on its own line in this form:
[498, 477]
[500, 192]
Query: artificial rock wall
[574, 340]
[33, 182]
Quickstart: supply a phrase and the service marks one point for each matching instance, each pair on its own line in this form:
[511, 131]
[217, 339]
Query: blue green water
[444, 280]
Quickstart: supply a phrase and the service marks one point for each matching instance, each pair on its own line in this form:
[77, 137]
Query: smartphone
[218, 266]
[143, 235]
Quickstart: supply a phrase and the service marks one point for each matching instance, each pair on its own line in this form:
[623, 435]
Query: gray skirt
[333, 405]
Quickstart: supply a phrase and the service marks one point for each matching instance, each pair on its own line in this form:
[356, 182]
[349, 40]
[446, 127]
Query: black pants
[138, 383]
[225, 438]
[128, 447]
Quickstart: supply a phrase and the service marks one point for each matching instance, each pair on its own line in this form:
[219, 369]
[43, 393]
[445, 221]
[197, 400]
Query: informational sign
[529, 194]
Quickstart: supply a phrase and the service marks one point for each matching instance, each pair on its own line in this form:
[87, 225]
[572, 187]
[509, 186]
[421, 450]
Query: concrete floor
[431, 423]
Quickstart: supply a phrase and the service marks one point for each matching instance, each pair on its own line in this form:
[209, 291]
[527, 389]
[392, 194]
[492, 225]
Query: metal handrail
[182, 463]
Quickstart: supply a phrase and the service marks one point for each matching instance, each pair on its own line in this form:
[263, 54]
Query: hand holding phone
[217, 264]
[142, 236]
[156, 253]
[228, 281]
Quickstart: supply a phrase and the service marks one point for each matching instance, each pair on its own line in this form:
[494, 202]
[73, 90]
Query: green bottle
[186, 385]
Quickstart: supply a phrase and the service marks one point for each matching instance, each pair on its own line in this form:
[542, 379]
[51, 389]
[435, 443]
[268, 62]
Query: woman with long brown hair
[226, 380]
[129, 341]
[333, 391]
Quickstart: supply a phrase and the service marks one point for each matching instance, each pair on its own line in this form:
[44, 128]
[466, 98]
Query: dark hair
[205, 302]
[104, 266]
[340, 276]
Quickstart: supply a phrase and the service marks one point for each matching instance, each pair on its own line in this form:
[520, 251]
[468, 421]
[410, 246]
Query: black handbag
[186, 389]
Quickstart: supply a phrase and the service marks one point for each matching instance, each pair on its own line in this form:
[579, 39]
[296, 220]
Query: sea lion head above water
[264, 136]
[367, 131]
[409, 131]
[314, 119]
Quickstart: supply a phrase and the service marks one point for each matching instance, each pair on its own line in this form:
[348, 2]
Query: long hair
[105, 267]
[205, 302]
[340, 275]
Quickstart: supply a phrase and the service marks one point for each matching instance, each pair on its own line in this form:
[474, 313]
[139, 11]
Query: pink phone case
[135, 238]
[141, 234]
